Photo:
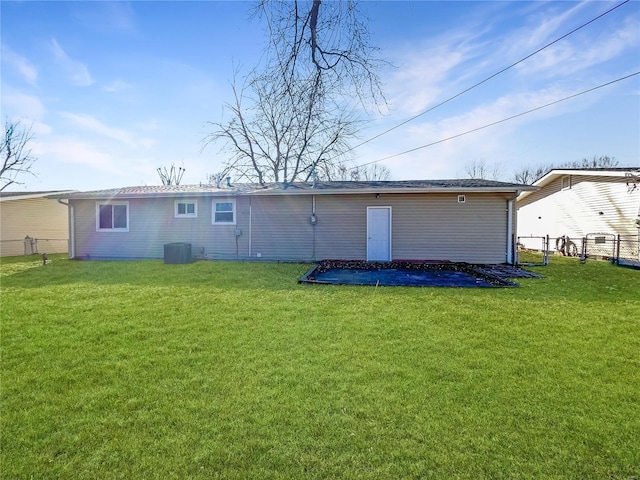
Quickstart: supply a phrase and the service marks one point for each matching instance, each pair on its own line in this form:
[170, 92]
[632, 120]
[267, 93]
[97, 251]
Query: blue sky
[115, 90]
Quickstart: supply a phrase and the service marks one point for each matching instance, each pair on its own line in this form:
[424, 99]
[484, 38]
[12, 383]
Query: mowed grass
[234, 370]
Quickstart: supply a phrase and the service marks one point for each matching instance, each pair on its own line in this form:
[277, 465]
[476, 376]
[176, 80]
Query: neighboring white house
[596, 204]
[30, 214]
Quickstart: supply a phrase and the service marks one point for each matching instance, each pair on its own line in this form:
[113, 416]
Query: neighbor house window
[112, 216]
[185, 208]
[224, 211]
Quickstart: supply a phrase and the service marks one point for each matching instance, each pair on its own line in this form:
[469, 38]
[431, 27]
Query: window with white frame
[224, 211]
[112, 216]
[185, 209]
[566, 182]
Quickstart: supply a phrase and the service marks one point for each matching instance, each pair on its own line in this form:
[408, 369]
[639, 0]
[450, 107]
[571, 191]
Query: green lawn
[140, 370]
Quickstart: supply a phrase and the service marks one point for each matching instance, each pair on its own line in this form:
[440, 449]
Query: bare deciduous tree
[528, 175]
[479, 169]
[367, 173]
[294, 116]
[15, 153]
[171, 176]
[602, 161]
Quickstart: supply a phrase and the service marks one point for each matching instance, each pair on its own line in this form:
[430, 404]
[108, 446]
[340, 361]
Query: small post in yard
[617, 248]
[545, 257]
[583, 253]
[28, 245]
[44, 259]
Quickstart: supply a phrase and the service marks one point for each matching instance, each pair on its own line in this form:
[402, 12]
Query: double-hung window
[224, 211]
[185, 209]
[112, 217]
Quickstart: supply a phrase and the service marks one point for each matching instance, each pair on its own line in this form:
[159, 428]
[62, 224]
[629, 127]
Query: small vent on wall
[461, 199]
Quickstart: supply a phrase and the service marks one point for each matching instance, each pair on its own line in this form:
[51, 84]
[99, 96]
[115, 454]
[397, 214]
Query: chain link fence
[628, 250]
[533, 251]
[31, 246]
[619, 249]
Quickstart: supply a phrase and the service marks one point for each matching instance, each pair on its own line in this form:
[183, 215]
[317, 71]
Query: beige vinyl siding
[40, 218]
[342, 225]
[278, 227]
[424, 227]
[593, 204]
[152, 224]
[437, 227]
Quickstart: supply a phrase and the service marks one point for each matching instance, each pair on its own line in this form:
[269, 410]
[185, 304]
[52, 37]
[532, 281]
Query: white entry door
[378, 234]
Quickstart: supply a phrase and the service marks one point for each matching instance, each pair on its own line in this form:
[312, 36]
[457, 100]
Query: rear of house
[32, 223]
[456, 220]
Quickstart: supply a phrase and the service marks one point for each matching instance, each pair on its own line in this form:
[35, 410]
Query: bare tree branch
[300, 115]
[528, 174]
[171, 176]
[15, 153]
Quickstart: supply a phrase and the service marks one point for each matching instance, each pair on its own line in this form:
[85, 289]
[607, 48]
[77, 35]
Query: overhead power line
[488, 78]
[500, 121]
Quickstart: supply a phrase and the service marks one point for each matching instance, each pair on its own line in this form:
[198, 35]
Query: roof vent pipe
[228, 181]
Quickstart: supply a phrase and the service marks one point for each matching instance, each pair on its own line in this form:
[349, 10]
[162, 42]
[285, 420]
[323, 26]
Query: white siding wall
[424, 227]
[592, 205]
[40, 218]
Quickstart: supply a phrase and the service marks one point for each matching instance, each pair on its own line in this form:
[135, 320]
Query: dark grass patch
[412, 273]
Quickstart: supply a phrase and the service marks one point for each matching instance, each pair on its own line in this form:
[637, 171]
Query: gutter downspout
[250, 227]
[314, 221]
[72, 229]
[511, 254]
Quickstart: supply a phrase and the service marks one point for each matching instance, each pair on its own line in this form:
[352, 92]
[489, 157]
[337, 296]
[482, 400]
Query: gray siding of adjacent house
[278, 227]
[593, 204]
[39, 218]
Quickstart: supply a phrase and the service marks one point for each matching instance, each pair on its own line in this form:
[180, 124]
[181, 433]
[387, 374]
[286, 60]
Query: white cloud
[570, 57]
[446, 157]
[149, 126]
[488, 113]
[548, 24]
[72, 150]
[420, 82]
[77, 72]
[429, 69]
[116, 86]
[106, 16]
[19, 63]
[20, 105]
[94, 125]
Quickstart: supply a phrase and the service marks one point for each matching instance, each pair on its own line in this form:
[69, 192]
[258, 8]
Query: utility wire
[488, 78]
[501, 121]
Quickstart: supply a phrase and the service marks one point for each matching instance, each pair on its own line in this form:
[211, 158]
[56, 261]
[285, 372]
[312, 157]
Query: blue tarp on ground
[414, 274]
[395, 276]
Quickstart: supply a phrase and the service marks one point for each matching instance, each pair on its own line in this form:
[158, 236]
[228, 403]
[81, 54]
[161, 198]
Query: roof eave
[365, 191]
[274, 192]
[561, 172]
[38, 195]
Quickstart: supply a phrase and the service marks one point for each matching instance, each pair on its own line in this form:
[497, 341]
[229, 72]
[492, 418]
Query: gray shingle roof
[342, 187]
